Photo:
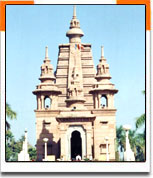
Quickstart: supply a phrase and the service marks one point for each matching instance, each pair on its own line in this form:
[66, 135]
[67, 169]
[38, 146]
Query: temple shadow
[52, 146]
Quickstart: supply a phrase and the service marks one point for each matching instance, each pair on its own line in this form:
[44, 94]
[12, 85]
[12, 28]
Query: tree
[13, 147]
[10, 143]
[140, 121]
[32, 153]
[140, 147]
[11, 153]
[120, 138]
[10, 114]
[120, 142]
[137, 142]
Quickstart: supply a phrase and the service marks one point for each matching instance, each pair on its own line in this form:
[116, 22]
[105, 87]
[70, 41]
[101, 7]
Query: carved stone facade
[75, 119]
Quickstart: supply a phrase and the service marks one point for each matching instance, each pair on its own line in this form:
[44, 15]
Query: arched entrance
[76, 144]
[82, 136]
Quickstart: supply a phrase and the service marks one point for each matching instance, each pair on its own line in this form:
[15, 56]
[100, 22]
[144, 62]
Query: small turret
[102, 68]
[103, 89]
[47, 89]
[47, 74]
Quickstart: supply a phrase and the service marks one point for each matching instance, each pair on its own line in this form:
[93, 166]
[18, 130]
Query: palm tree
[120, 138]
[10, 114]
[140, 120]
[120, 142]
[9, 144]
[132, 140]
[137, 142]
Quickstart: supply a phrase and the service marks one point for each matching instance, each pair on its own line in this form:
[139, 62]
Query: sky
[29, 28]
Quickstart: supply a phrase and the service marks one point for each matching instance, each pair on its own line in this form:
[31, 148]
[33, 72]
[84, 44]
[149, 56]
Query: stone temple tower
[75, 107]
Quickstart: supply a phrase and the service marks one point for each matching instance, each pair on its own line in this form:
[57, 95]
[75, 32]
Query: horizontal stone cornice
[61, 76]
[107, 90]
[86, 58]
[62, 67]
[49, 91]
[70, 119]
[88, 75]
[60, 58]
[46, 113]
[105, 111]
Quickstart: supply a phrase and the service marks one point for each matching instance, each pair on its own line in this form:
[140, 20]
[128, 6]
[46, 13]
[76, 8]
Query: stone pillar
[69, 147]
[45, 140]
[89, 143]
[110, 98]
[26, 142]
[128, 154]
[63, 141]
[42, 102]
[38, 102]
[51, 101]
[83, 138]
[99, 96]
[23, 155]
[96, 101]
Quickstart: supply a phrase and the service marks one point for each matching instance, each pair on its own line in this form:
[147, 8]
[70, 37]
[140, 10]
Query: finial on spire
[102, 51]
[74, 33]
[25, 135]
[74, 12]
[46, 52]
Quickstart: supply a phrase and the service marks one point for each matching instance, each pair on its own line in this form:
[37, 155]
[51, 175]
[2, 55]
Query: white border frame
[79, 166]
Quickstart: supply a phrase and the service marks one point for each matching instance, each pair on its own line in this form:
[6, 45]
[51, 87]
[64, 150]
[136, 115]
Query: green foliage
[140, 121]
[140, 146]
[132, 139]
[32, 153]
[10, 114]
[137, 142]
[13, 148]
[120, 138]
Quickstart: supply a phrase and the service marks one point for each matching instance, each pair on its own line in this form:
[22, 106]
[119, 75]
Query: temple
[75, 105]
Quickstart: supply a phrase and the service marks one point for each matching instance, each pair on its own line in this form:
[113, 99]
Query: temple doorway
[76, 144]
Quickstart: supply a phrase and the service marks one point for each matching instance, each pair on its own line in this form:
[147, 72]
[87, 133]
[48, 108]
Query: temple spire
[47, 73]
[102, 68]
[74, 12]
[46, 52]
